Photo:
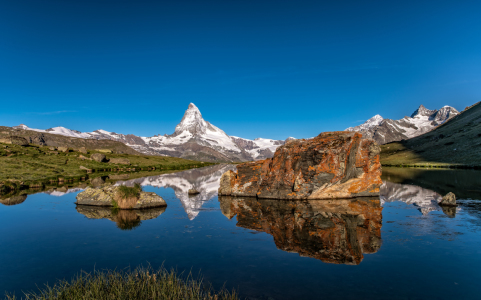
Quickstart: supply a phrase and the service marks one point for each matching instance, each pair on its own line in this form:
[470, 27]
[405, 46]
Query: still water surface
[402, 245]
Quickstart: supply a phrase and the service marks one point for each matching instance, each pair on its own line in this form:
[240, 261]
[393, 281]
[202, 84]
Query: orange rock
[332, 165]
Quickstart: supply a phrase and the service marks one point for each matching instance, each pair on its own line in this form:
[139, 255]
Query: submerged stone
[329, 166]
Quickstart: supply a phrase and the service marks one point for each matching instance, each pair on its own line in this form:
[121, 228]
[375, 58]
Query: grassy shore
[37, 166]
[139, 284]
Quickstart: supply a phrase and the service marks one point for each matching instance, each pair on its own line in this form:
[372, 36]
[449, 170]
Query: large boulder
[108, 195]
[98, 157]
[332, 165]
[63, 149]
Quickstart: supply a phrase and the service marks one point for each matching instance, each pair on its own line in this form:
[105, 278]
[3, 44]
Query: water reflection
[334, 231]
[13, 199]
[125, 219]
[425, 200]
[205, 180]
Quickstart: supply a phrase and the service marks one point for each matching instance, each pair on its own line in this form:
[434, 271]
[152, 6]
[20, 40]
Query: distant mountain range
[421, 121]
[193, 138]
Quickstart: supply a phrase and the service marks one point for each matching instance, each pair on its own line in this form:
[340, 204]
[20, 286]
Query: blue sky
[254, 68]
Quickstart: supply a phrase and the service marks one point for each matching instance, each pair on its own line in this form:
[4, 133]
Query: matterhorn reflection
[334, 231]
[204, 180]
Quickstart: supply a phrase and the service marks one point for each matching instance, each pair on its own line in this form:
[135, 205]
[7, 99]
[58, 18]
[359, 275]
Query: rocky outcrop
[108, 195]
[98, 157]
[15, 140]
[334, 231]
[63, 149]
[329, 166]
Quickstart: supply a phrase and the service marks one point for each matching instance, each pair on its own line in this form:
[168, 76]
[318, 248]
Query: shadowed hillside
[456, 142]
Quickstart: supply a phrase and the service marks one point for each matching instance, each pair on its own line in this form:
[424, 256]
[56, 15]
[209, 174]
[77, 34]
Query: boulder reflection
[125, 219]
[334, 231]
[12, 199]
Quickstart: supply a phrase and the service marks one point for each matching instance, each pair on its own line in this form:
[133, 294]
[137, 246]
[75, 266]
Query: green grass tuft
[143, 283]
[126, 192]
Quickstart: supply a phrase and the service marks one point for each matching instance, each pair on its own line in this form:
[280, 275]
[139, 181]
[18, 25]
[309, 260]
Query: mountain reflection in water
[334, 231]
[204, 180]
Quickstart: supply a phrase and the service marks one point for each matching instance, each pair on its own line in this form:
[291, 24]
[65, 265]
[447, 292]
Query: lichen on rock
[329, 166]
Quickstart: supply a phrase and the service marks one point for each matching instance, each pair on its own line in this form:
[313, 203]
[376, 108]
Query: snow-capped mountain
[205, 180]
[421, 121]
[193, 138]
[424, 199]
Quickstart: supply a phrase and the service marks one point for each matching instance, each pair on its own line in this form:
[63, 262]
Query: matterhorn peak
[192, 121]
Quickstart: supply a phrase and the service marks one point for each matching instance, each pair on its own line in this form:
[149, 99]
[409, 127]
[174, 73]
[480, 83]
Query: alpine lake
[402, 245]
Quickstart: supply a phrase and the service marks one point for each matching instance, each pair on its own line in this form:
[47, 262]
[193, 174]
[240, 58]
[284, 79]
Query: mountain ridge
[193, 138]
[422, 120]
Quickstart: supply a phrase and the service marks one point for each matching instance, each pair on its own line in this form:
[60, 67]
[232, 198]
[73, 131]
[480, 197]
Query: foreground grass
[139, 284]
[36, 165]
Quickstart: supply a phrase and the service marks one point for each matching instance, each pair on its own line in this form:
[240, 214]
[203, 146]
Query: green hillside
[454, 143]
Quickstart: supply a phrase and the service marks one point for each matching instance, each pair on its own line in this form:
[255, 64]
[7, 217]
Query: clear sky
[268, 69]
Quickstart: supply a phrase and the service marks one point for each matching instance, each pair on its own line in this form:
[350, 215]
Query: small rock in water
[449, 200]
[193, 192]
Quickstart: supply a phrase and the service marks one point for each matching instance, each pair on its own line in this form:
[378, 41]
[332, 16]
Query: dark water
[401, 246]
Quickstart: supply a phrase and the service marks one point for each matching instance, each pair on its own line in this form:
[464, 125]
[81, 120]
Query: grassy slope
[65, 141]
[37, 164]
[456, 142]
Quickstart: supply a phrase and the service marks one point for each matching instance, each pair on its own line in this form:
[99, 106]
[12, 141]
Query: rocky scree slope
[422, 120]
[193, 138]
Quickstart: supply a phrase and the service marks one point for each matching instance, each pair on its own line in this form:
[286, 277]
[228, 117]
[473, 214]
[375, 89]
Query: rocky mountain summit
[193, 138]
[422, 120]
